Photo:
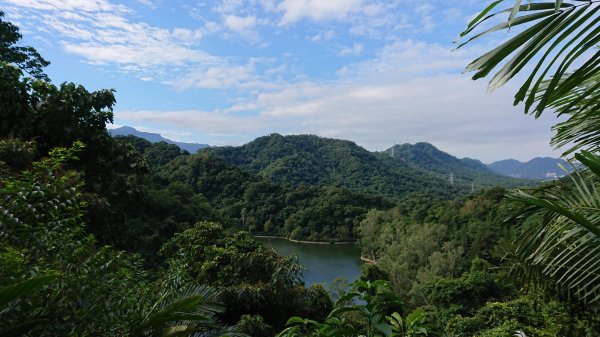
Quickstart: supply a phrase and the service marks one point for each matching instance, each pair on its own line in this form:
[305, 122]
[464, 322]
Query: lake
[325, 262]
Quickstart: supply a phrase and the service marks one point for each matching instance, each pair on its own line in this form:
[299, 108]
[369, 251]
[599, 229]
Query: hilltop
[463, 172]
[536, 168]
[319, 161]
[155, 138]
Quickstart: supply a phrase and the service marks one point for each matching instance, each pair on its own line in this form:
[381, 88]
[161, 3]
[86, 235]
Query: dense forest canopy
[118, 236]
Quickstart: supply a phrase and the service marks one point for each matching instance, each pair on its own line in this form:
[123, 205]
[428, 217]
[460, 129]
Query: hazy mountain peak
[536, 168]
[155, 137]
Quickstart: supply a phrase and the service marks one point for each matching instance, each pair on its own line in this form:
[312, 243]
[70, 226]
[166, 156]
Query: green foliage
[21, 289]
[157, 154]
[264, 207]
[254, 280]
[368, 309]
[533, 314]
[371, 272]
[465, 294]
[559, 39]
[316, 161]
[423, 239]
[562, 239]
[33, 109]
[17, 154]
[95, 290]
[26, 58]
[255, 326]
[41, 229]
[188, 311]
[214, 256]
[414, 324]
[58, 116]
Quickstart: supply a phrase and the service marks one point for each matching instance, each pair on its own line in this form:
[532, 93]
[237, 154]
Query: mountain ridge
[319, 161]
[536, 168]
[155, 137]
[465, 171]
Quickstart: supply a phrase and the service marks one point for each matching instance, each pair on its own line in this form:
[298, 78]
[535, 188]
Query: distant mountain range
[318, 161]
[313, 160]
[536, 168]
[155, 137]
[465, 171]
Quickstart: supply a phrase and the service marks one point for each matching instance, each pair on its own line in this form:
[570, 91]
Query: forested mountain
[94, 243]
[155, 137]
[120, 236]
[263, 206]
[536, 168]
[463, 172]
[318, 161]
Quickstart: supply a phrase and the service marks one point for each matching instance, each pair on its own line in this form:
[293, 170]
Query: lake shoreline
[367, 260]
[305, 241]
[324, 261]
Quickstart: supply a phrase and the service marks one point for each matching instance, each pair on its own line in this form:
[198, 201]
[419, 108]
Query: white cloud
[245, 26]
[356, 49]
[228, 6]
[148, 3]
[217, 77]
[240, 24]
[144, 55]
[71, 5]
[318, 10]
[102, 33]
[407, 100]
[247, 78]
[323, 36]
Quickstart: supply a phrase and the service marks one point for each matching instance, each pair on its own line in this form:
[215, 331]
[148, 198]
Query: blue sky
[224, 72]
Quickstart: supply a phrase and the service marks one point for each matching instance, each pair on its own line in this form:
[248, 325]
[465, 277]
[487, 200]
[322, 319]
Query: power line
[454, 181]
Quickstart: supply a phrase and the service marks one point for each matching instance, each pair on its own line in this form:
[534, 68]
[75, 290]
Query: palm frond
[190, 309]
[25, 287]
[562, 242]
[558, 43]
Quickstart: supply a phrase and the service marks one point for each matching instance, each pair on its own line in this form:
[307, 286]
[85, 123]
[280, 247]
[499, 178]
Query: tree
[253, 280]
[369, 309]
[558, 47]
[26, 58]
[559, 40]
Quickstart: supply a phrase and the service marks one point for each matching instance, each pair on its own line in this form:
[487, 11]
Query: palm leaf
[557, 43]
[187, 310]
[562, 242]
[10, 293]
[16, 291]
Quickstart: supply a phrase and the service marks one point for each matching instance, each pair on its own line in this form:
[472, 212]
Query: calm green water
[324, 262]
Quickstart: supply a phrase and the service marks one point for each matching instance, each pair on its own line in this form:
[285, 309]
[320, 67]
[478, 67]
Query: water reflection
[324, 262]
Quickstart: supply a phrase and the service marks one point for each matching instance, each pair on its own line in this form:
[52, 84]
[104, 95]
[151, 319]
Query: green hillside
[318, 161]
[465, 173]
[124, 237]
[263, 206]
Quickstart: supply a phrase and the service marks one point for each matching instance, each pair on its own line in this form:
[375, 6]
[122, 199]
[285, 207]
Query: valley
[106, 230]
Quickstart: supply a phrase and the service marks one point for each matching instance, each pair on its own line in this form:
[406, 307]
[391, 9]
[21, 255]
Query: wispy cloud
[148, 3]
[398, 96]
[101, 33]
[295, 10]
[365, 70]
[355, 49]
[323, 36]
